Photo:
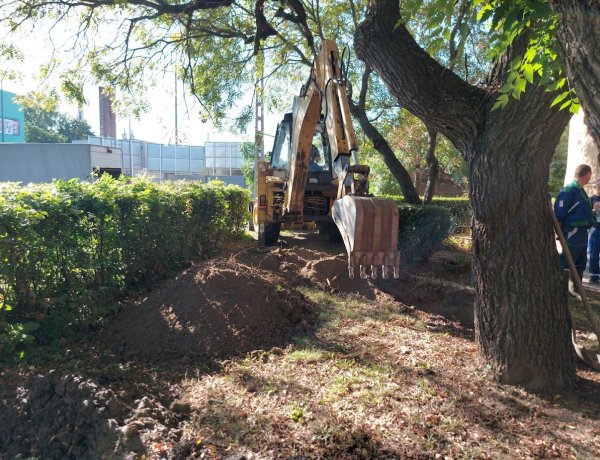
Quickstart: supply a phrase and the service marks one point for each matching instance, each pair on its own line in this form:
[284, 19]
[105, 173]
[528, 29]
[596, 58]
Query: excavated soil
[110, 395]
[212, 310]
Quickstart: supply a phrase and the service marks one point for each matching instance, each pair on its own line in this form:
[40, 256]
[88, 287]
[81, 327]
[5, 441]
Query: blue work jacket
[573, 208]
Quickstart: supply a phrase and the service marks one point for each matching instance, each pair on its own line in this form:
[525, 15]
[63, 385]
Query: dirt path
[277, 354]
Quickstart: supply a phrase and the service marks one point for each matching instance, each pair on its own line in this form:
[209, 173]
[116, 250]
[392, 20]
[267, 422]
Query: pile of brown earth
[211, 311]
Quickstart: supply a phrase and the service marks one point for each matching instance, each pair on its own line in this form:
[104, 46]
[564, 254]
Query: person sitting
[315, 159]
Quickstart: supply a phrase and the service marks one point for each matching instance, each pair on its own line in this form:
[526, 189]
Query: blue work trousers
[594, 252]
[577, 241]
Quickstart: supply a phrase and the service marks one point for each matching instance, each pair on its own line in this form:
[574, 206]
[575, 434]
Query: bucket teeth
[369, 228]
[363, 272]
[387, 271]
[374, 272]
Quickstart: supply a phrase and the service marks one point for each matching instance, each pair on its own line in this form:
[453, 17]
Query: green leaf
[512, 76]
[30, 326]
[528, 72]
[520, 84]
[516, 93]
[506, 88]
[485, 13]
[500, 102]
[574, 108]
[566, 104]
[558, 99]
[530, 53]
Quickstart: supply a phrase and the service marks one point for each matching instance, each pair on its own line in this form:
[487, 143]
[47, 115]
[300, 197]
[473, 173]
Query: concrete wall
[444, 185]
[44, 162]
[106, 157]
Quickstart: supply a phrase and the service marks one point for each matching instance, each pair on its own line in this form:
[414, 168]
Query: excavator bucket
[369, 227]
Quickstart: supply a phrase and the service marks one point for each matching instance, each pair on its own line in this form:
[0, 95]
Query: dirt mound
[452, 301]
[326, 269]
[215, 309]
[332, 272]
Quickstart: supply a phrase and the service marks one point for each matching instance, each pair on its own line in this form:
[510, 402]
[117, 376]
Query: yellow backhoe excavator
[310, 178]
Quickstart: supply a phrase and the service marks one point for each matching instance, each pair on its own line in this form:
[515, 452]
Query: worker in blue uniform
[594, 238]
[573, 210]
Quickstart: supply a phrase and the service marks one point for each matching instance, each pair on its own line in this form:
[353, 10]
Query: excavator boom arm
[323, 99]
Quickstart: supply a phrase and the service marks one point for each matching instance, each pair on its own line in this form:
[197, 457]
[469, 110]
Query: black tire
[272, 233]
[334, 234]
[331, 230]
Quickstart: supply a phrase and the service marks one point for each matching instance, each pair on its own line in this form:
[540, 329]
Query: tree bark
[432, 166]
[579, 36]
[521, 322]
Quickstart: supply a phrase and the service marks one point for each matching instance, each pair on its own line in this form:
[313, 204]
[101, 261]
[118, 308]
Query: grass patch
[430, 281]
[579, 312]
[309, 355]
[336, 307]
[364, 385]
[459, 243]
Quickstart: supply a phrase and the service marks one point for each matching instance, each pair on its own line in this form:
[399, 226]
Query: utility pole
[259, 130]
[2, 108]
[259, 116]
[130, 149]
[176, 117]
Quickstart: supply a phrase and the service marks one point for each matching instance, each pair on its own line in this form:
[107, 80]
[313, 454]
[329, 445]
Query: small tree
[45, 124]
[247, 150]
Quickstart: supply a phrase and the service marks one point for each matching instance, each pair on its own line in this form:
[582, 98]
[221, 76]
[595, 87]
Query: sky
[158, 125]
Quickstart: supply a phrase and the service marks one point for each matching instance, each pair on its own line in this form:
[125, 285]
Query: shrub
[459, 207]
[422, 230]
[460, 210]
[70, 249]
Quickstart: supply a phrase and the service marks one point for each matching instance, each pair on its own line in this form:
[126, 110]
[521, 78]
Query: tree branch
[424, 87]
[380, 144]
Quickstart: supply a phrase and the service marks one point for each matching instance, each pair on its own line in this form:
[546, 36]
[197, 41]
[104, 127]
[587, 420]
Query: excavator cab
[310, 178]
[321, 186]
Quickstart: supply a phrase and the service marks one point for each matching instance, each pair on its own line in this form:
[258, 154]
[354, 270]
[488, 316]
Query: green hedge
[70, 249]
[460, 210]
[459, 207]
[422, 230]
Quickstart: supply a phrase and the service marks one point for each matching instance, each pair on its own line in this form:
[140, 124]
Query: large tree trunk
[432, 165]
[579, 35]
[522, 328]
